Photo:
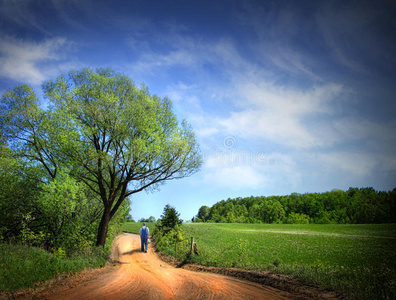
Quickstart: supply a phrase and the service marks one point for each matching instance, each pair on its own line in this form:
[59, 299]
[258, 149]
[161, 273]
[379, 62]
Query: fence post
[191, 245]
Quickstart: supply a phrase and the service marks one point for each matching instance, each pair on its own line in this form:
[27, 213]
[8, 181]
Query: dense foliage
[57, 215]
[355, 206]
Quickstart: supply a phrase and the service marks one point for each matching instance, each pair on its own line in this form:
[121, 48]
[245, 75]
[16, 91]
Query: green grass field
[359, 260]
[134, 227]
[256, 246]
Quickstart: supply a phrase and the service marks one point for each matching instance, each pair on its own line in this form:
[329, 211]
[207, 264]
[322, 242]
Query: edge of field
[279, 281]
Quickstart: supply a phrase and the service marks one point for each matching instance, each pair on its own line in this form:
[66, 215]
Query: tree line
[354, 206]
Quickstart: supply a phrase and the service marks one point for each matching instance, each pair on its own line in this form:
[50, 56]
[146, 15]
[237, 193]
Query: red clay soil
[137, 275]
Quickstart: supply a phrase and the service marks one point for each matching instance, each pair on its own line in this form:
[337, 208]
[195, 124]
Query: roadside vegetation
[68, 167]
[25, 264]
[357, 260]
[22, 266]
[167, 231]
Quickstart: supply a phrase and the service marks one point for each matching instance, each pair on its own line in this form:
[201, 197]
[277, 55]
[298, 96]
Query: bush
[296, 218]
[168, 231]
[165, 240]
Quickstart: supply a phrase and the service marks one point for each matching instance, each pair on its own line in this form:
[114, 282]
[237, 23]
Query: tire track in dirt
[145, 276]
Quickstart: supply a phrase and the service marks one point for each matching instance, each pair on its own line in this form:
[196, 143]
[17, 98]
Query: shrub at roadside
[168, 230]
[165, 241]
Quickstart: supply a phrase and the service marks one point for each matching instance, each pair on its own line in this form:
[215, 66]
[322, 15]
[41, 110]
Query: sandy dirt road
[145, 276]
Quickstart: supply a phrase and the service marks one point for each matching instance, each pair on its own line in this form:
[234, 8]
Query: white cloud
[20, 60]
[278, 114]
[250, 104]
[231, 176]
[253, 104]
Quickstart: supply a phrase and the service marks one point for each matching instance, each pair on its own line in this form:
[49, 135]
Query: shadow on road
[117, 260]
[131, 252]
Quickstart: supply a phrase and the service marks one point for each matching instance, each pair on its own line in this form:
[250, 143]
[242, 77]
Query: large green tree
[103, 131]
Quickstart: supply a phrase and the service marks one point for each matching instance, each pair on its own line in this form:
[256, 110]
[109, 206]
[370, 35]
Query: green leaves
[60, 196]
[19, 114]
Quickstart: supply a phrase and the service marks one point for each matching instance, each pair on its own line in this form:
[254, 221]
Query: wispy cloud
[358, 34]
[41, 16]
[21, 14]
[22, 60]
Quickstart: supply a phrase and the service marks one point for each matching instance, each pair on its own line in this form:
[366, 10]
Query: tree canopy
[100, 130]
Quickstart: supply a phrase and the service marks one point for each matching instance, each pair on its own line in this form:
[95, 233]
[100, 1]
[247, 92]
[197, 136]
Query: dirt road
[145, 276]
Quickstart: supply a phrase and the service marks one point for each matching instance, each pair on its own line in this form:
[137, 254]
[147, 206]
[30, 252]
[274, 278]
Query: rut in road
[145, 276]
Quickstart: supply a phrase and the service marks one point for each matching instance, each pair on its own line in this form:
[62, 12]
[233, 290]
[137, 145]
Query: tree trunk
[103, 227]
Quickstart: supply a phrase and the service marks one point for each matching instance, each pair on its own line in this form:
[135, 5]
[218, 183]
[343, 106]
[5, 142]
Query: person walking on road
[144, 232]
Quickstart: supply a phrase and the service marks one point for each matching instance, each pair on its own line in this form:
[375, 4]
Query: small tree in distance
[149, 220]
[170, 218]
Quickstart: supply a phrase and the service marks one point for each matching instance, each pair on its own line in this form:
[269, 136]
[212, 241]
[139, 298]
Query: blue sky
[284, 96]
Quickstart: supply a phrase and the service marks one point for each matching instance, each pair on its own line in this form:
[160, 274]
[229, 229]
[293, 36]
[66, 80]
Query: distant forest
[355, 206]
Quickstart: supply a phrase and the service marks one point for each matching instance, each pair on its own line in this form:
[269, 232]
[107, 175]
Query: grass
[134, 227]
[359, 260]
[23, 266]
[347, 246]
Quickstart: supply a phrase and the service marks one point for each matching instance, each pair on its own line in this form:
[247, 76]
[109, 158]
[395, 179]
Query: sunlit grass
[23, 266]
[134, 227]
